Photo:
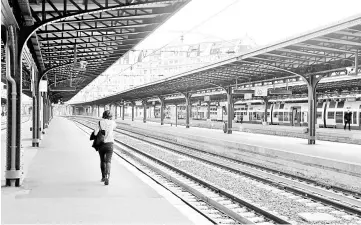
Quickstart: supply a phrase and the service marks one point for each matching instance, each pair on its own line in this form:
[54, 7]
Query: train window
[319, 105]
[282, 106]
[319, 115]
[275, 114]
[332, 104]
[268, 114]
[285, 116]
[340, 104]
[339, 117]
[280, 116]
[331, 115]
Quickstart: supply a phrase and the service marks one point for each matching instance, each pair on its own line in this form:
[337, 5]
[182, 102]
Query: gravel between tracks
[266, 196]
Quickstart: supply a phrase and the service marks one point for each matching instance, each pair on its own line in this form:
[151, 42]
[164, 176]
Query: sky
[265, 21]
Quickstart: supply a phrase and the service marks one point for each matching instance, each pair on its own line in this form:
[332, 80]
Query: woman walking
[107, 126]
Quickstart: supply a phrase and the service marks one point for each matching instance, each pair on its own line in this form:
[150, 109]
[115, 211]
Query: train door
[296, 116]
[269, 112]
[319, 113]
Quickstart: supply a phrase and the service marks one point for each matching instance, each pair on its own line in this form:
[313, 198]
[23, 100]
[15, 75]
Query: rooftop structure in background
[328, 51]
[139, 67]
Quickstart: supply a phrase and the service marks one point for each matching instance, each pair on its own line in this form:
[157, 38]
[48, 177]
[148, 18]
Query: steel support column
[312, 82]
[115, 111]
[14, 84]
[123, 111]
[51, 112]
[188, 107]
[356, 62]
[44, 111]
[265, 99]
[208, 110]
[230, 110]
[133, 104]
[176, 115]
[144, 102]
[41, 115]
[161, 99]
[35, 97]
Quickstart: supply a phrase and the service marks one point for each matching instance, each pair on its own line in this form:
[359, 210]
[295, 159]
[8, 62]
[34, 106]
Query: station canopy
[327, 50]
[77, 40]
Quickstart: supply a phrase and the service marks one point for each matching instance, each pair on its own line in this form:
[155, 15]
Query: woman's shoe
[103, 179]
[106, 181]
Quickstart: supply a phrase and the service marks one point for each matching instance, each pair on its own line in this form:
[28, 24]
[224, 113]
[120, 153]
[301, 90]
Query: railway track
[343, 200]
[219, 206]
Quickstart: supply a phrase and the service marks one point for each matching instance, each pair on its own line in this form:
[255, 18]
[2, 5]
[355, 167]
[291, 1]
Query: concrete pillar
[188, 107]
[230, 110]
[98, 110]
[144, 102]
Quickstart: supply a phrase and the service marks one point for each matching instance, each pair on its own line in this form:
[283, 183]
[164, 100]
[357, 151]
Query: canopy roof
[327, 50]
[74, 41]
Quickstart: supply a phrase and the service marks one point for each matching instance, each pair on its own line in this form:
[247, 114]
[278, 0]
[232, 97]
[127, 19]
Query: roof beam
[44, 39]
[321, 48]
[106, 28]
[338, 41]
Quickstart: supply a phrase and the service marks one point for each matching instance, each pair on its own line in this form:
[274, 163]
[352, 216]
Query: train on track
[330, 113]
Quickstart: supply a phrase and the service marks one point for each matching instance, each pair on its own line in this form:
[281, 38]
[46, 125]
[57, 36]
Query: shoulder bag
[100, 137]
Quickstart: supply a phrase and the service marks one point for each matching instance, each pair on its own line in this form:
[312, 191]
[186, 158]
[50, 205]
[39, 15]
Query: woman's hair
[107, 115]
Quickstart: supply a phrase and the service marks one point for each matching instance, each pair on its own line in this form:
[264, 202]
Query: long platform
[323, 134]
[350, 153]
[62, 185]
[332, 162]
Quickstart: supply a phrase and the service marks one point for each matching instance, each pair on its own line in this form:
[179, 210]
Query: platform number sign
[260, 91]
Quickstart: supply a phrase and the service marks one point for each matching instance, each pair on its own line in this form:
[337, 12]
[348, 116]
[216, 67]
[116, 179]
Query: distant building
[139, 67]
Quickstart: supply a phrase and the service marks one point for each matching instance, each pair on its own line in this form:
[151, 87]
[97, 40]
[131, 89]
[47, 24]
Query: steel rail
[294, 189]
[230, 213]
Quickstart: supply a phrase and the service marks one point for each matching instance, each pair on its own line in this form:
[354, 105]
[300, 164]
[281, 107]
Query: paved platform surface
[348, 153]
[62, 186]
[325, 134]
